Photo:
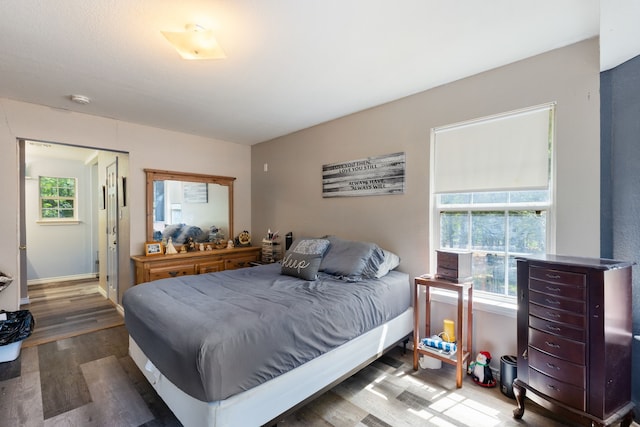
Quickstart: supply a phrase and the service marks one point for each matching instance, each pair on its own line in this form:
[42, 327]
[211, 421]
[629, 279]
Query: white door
[112, 231]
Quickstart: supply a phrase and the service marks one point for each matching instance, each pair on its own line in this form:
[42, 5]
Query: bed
[244, 347]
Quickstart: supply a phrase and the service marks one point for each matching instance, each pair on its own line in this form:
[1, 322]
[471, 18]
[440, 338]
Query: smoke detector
[80, 99]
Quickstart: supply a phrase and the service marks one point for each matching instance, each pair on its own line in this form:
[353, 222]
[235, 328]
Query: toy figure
[170, 248]
[480, 370]
[191, 245]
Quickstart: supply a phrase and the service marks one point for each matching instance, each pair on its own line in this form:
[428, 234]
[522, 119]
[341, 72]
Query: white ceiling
[33, 149]
[290, 64]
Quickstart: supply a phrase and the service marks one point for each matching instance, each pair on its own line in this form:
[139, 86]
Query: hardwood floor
[86, 380]
[90, 380]
[66, 309]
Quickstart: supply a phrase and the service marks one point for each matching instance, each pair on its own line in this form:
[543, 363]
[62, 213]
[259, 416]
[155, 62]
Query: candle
[448, 328]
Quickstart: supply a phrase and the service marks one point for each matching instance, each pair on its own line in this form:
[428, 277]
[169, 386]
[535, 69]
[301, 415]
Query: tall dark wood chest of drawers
[575, 338]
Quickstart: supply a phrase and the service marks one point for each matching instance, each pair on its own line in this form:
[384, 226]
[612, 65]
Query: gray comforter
[215, 335]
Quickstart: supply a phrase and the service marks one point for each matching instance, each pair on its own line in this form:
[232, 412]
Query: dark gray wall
[620, 182]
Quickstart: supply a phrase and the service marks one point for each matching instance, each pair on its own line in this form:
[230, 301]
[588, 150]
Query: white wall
[147, 147]
[59, 250]
[289, 196]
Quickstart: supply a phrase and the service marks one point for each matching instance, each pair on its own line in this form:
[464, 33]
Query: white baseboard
[103, 292]
[24, 301]
[119, 308]
[62, 278]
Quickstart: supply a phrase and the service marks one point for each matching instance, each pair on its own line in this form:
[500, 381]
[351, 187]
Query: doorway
[64, 235]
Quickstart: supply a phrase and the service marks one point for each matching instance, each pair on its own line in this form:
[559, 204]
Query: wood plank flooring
[86, 380]
[66, 309]
[90, 380]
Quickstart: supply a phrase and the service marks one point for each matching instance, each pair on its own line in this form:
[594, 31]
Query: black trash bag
[18, 326]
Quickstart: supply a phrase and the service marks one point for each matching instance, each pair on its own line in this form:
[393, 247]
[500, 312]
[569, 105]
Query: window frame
[58, 219]
[505, 208]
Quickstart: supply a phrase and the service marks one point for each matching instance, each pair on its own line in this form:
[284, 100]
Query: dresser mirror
[187, 205]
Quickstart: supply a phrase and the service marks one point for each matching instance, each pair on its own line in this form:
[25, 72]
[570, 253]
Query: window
[491, 193]
[57, 198]
[496, 227]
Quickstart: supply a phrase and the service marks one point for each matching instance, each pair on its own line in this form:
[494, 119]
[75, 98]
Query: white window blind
[500, 153]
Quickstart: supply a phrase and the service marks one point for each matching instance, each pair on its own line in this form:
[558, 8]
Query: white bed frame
[266, 403]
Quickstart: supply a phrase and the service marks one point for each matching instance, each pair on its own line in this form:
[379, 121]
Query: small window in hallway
[57, 198]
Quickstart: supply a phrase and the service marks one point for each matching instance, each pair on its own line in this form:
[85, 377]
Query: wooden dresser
[156, 267]
[575, 338]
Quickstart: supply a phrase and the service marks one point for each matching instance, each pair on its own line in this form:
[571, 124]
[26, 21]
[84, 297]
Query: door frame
[113, 231]
[123, 270]
[22, 226]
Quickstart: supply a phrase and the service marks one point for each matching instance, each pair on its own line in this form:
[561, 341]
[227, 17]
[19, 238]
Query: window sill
[58, 222]
[480, 303]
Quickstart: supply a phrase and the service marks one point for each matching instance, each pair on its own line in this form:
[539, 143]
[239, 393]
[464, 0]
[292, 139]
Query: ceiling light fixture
[196, 42]
[80, 99]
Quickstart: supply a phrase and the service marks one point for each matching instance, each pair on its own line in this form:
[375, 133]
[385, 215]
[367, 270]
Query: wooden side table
[463, 353]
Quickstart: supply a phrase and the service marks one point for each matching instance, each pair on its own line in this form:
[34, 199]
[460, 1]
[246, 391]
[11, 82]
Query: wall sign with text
[195, 192]
[372, 176]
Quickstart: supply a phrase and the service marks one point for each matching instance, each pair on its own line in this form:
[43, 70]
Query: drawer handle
[173, 273]
[552, 314]
[552, 345]
[550, 289]
[552, 301]
[554, 328]
[552, 366]
[552, 387]
[553, 276]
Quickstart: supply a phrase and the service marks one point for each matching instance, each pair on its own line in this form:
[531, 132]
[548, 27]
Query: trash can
[15, 326]
[426, 362]
[508, 373]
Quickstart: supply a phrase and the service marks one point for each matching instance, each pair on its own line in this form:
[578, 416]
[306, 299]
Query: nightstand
[463, 352]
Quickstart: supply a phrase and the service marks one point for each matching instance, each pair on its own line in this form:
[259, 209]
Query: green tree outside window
[496, 227]
[57, 198]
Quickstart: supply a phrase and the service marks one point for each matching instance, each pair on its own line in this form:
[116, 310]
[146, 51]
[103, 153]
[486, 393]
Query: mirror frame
[159, 175]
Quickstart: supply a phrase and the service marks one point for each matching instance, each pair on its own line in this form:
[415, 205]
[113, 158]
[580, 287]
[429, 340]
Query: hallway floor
[66, 309]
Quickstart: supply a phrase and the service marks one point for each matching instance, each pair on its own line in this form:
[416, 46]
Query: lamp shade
[195, 42]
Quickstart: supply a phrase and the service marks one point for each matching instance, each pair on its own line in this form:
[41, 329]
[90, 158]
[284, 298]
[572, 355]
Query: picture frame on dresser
[153, 248]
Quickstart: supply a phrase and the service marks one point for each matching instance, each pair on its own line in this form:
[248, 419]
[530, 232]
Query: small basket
[10, 352]
[427, 362]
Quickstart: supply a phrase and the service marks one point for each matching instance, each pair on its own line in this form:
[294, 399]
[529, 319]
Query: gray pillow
[351, 260]
[303, 258]
[390, 262]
